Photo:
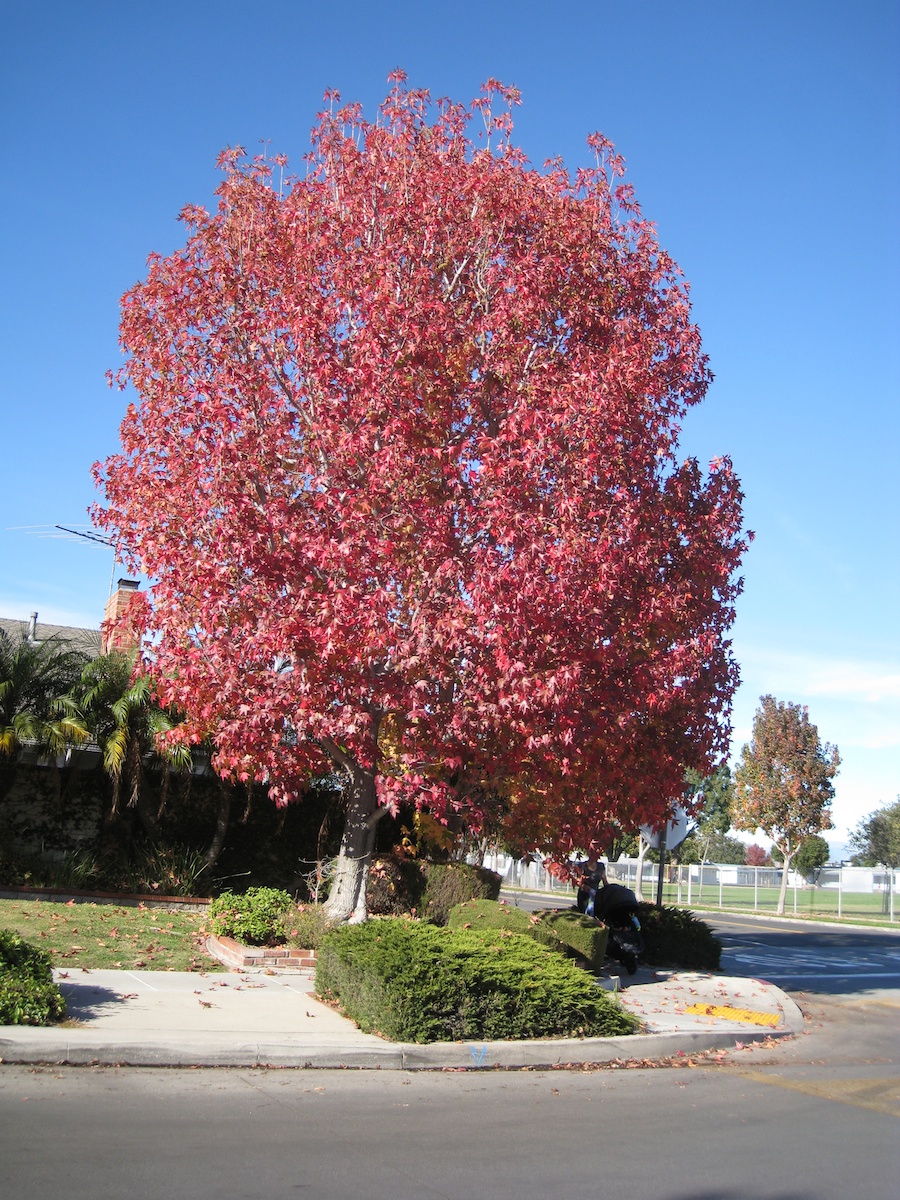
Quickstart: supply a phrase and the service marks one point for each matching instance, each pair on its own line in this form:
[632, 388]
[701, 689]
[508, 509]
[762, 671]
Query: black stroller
[617, 907]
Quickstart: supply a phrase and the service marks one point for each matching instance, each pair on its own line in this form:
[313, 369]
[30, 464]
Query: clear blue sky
[761, 137]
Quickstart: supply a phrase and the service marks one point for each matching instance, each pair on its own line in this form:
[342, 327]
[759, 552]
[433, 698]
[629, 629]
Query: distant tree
[814, 853]
[783, 782]
[876, 839]
[757, 856]
[713, 796]
[715, 847]
[621, 843]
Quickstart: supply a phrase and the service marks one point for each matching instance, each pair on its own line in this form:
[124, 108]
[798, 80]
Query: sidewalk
[254, 1018]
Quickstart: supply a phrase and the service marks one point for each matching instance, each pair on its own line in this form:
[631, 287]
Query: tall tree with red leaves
[402, 467]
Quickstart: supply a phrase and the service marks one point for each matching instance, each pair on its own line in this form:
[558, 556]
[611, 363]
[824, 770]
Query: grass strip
[111, 937]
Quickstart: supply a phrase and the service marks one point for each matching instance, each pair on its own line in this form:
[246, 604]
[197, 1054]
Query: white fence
[851, 892]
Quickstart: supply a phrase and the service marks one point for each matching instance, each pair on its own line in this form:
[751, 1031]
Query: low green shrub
[449, 884]
[560, 929]
[414, 982]
[306, 925]
[256, 917]
[674, 937]
[176, 870]
[28, 995]
[582, 935]
[494, 914]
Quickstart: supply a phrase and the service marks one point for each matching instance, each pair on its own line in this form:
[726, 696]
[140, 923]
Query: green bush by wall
[255, 917]
[28, 995]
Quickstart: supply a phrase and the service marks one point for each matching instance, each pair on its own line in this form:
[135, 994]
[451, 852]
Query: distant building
[86, 640]
[92, 642]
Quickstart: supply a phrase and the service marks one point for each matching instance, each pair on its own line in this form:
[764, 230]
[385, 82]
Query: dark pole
[662, 862]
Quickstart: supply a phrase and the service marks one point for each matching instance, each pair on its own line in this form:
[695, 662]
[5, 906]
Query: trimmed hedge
[449, 884]
[255, 917]
[563, 930]
[492, 915]
[28, 995]
[395, 886]
[413, 982]
[583, 935]
[674, 937]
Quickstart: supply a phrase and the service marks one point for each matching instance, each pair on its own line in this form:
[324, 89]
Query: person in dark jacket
[593, 879]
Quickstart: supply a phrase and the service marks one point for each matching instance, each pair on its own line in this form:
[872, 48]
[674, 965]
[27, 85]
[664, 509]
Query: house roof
[85, 640]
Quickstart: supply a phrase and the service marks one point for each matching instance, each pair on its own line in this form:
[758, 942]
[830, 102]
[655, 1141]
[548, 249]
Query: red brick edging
[238, 956]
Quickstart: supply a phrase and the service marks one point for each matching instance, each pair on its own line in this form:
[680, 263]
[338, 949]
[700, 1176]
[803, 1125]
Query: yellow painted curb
[735, 1014]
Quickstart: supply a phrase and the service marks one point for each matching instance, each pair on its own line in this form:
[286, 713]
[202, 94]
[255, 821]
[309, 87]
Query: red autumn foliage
[402, 465]
[758, 857]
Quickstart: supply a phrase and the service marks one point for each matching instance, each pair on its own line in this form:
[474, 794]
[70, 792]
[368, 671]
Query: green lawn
[811, 902]
[111, 936]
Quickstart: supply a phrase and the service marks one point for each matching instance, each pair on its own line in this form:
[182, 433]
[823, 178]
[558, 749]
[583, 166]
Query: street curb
[400, 1057]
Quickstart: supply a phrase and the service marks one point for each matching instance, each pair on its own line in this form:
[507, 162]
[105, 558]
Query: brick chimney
[116, 606]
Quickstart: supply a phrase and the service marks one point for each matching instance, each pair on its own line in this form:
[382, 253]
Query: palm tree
[36, 708]
[121, 711]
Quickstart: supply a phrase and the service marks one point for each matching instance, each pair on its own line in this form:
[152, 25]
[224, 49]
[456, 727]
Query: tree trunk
[347, 898]
[785, 867]
[223, 815]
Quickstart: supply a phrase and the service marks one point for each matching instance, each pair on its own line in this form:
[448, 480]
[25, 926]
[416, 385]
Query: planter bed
[239, 957]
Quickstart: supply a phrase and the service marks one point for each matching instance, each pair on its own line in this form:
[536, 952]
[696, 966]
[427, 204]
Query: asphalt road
[815, 1118]
[807, 956]
[797, 955]
[742, 1132]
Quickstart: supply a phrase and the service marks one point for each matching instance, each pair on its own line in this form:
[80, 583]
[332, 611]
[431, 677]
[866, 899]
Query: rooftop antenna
[67, 533]
[101, 539]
